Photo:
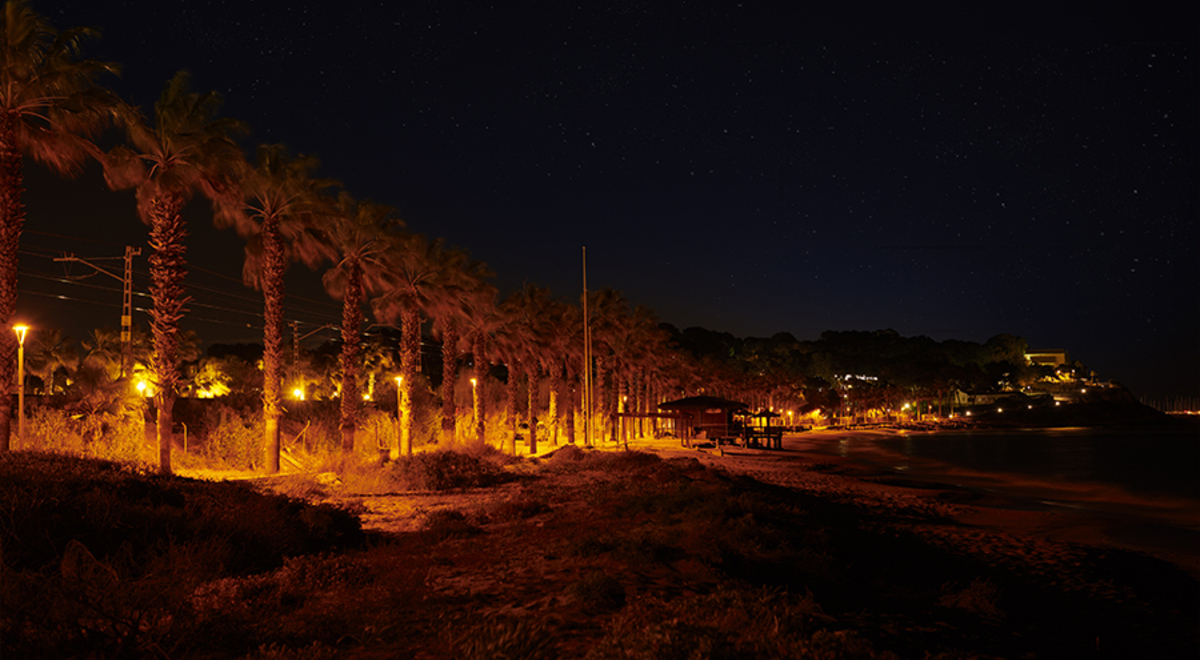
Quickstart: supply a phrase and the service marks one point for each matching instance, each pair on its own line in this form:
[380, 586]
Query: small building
[1050, 357]
[710, 415]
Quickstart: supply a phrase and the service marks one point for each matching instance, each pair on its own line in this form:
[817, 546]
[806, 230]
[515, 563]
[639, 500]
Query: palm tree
[605, 307]
[510, 340]
[357, 233]
[629, 338]
[188, 149]
[424, 277]
[482, 320]
[52, 350]
[527, 345]
[567, 344]
[467, 279]
[49, 108]
[277, 220]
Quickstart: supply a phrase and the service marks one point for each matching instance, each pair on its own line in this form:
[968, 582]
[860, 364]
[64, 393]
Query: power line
[290, 307]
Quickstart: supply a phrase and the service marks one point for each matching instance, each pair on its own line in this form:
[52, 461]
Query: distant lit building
[1051, 357]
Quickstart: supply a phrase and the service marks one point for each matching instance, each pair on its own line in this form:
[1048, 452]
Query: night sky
[736, 166]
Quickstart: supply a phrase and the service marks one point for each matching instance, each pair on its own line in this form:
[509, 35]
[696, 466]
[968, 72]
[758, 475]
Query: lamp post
[21, 330]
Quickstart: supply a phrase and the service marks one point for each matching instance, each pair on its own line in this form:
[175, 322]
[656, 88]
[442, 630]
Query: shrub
[500, 636]
[102, 560]
[443, 470]
[574, 459]
[733, 622]
[449, 523]
[598, 592]
[978, 598]
[236, 440]
[98, 435]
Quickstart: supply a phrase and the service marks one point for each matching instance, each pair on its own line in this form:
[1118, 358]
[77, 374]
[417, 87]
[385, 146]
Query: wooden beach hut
[710, 415]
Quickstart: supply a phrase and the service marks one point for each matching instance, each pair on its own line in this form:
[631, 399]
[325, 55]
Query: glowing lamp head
[473, 382]
[298, 394]
[21, 330]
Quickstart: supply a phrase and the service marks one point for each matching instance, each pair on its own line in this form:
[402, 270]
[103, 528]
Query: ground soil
[916, 568]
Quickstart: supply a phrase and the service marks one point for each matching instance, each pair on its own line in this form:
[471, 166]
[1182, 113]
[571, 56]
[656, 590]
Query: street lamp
[21, 330]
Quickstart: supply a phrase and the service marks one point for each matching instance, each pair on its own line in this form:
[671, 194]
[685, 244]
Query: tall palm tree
[511, 340]
[468, 277]
[357, 232]
[424, 278]
[565, 376]
[482, 320]
[605, 307]
[188, 149]
[277, 221]
[49, 108]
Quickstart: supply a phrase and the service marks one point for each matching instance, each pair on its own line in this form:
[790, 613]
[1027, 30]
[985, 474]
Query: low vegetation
[584, 554]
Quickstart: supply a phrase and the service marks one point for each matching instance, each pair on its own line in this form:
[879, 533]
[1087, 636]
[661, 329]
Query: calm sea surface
[1147, 461]
[1143, 483]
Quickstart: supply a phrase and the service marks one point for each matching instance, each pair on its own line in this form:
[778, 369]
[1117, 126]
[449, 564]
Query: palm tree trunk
[479, 357]
[514, 376]
[532, 385]
[351, 336]
[598, 398]
[449, 378]
[570, 399]
[556, 395]
[410, 352]
[167, 270]
[272, 287]
[12, 219]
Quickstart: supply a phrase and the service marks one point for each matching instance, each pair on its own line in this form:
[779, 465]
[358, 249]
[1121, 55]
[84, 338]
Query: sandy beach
[987, 515]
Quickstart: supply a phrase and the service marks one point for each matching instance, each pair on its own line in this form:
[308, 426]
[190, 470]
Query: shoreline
[1165, 528]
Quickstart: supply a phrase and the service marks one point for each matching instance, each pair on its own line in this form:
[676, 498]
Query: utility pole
[295, 347]
[127, 301]
[127, 312]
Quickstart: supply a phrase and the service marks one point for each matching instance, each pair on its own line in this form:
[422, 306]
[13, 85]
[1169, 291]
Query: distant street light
[21, 330]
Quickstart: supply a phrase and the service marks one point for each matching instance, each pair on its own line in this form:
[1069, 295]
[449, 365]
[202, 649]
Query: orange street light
[21, 330]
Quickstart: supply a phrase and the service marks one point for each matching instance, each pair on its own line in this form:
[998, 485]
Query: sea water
[1144, 481]
[1149, 471]
[1146, 460]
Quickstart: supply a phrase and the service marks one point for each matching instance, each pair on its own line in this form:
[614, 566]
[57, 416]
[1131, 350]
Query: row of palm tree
[52, 107]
